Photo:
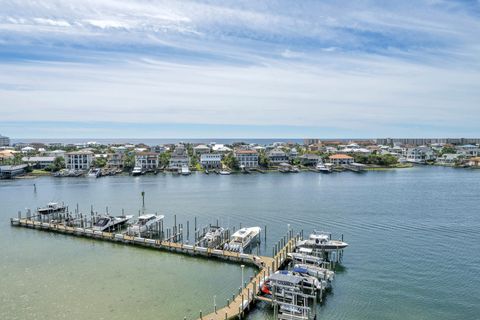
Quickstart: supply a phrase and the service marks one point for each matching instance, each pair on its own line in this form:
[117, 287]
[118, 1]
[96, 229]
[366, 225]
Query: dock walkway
[234, 309]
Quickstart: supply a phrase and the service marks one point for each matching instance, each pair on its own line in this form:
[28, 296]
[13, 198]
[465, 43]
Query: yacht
[185, 171]
[314, 271]
[323, 168]
[225, 172]
[52, 207]
[286, 281]
[144, 223]
[305, 257]
[107, 222]
[322, 241]
[212, 238]
[243, 238]
[137, 171]
[94, 173]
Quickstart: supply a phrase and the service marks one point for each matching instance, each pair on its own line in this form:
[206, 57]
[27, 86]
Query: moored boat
[322, 241]
[110, 223]
[144, 223]
[137, 171]
[52, 207]
[243, 238]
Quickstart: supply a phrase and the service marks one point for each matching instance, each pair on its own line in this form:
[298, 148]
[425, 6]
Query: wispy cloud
[345, 65]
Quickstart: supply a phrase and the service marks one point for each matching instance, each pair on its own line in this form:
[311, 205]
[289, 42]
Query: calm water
[414, 239]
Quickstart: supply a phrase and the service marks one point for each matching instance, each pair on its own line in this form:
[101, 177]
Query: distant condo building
[78, 160]
[4, 141]
[426, 141]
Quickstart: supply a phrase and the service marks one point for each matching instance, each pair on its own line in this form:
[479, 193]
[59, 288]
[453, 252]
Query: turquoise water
[414, 238]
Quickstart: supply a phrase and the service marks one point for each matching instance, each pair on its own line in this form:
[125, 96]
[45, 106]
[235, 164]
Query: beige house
[340, 159]
[78, 160]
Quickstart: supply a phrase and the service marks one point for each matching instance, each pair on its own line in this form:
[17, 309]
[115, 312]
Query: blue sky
[168, 69]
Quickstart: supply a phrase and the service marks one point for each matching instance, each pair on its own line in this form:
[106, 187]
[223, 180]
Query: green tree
[165, 159]
[263, 159]
[231, 162]
[129, 161]
[447, 149]
[99, 162]
[58, 164]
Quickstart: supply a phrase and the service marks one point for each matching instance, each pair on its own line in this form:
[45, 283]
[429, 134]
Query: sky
[239, 69]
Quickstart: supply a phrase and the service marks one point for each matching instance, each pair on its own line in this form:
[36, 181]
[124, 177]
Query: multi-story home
[179, 158]
[211, 160]
[78, 160]
[115, 160]
[247, 158]
[309, 159]
[293, 154]
[201, 149]
[419, 154]
[469, 150]
[340, 159]
[146, 160]
[277, 156]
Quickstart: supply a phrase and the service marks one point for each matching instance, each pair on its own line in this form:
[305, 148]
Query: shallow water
[414, 238]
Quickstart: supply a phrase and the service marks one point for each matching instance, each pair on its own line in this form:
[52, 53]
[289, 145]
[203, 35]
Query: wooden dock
[234, 309]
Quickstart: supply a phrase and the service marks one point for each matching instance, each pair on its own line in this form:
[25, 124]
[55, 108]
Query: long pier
[234, 309]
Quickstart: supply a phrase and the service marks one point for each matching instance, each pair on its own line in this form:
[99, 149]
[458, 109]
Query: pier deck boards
[241, 302]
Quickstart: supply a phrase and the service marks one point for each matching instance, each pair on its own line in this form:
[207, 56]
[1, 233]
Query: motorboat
[243, 238]
[212, 237]
[323, 168]
[185, 171]
[225, 172]
[322, 241]
[108, 222]
[52, 207]
[144, 223]
[285, 281]
[305, 256]
[137, 171]
[94, 173]
[314, 271]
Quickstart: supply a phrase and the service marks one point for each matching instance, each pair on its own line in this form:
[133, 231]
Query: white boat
[305, 256]
[314, 271]
[323, 168]
[137, 171]
[212, 237]
[95, 173]
[144, 223]
[285, 281]
[52, 207]
[107, 222]
[185, 171]
[225, 172]
[243, 238]
[322, 241]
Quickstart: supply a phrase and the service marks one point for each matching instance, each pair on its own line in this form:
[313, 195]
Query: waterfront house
[469, 150]
[179, 158]
[419, 154]
[78, 160]
[115, 160]
[211, 160]
[247, 158]
[148, 161]
[309, 159]
[201, 149]
[39, 162]
[449, 158]
[277, 156]
[474, 162]
[340, 159]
